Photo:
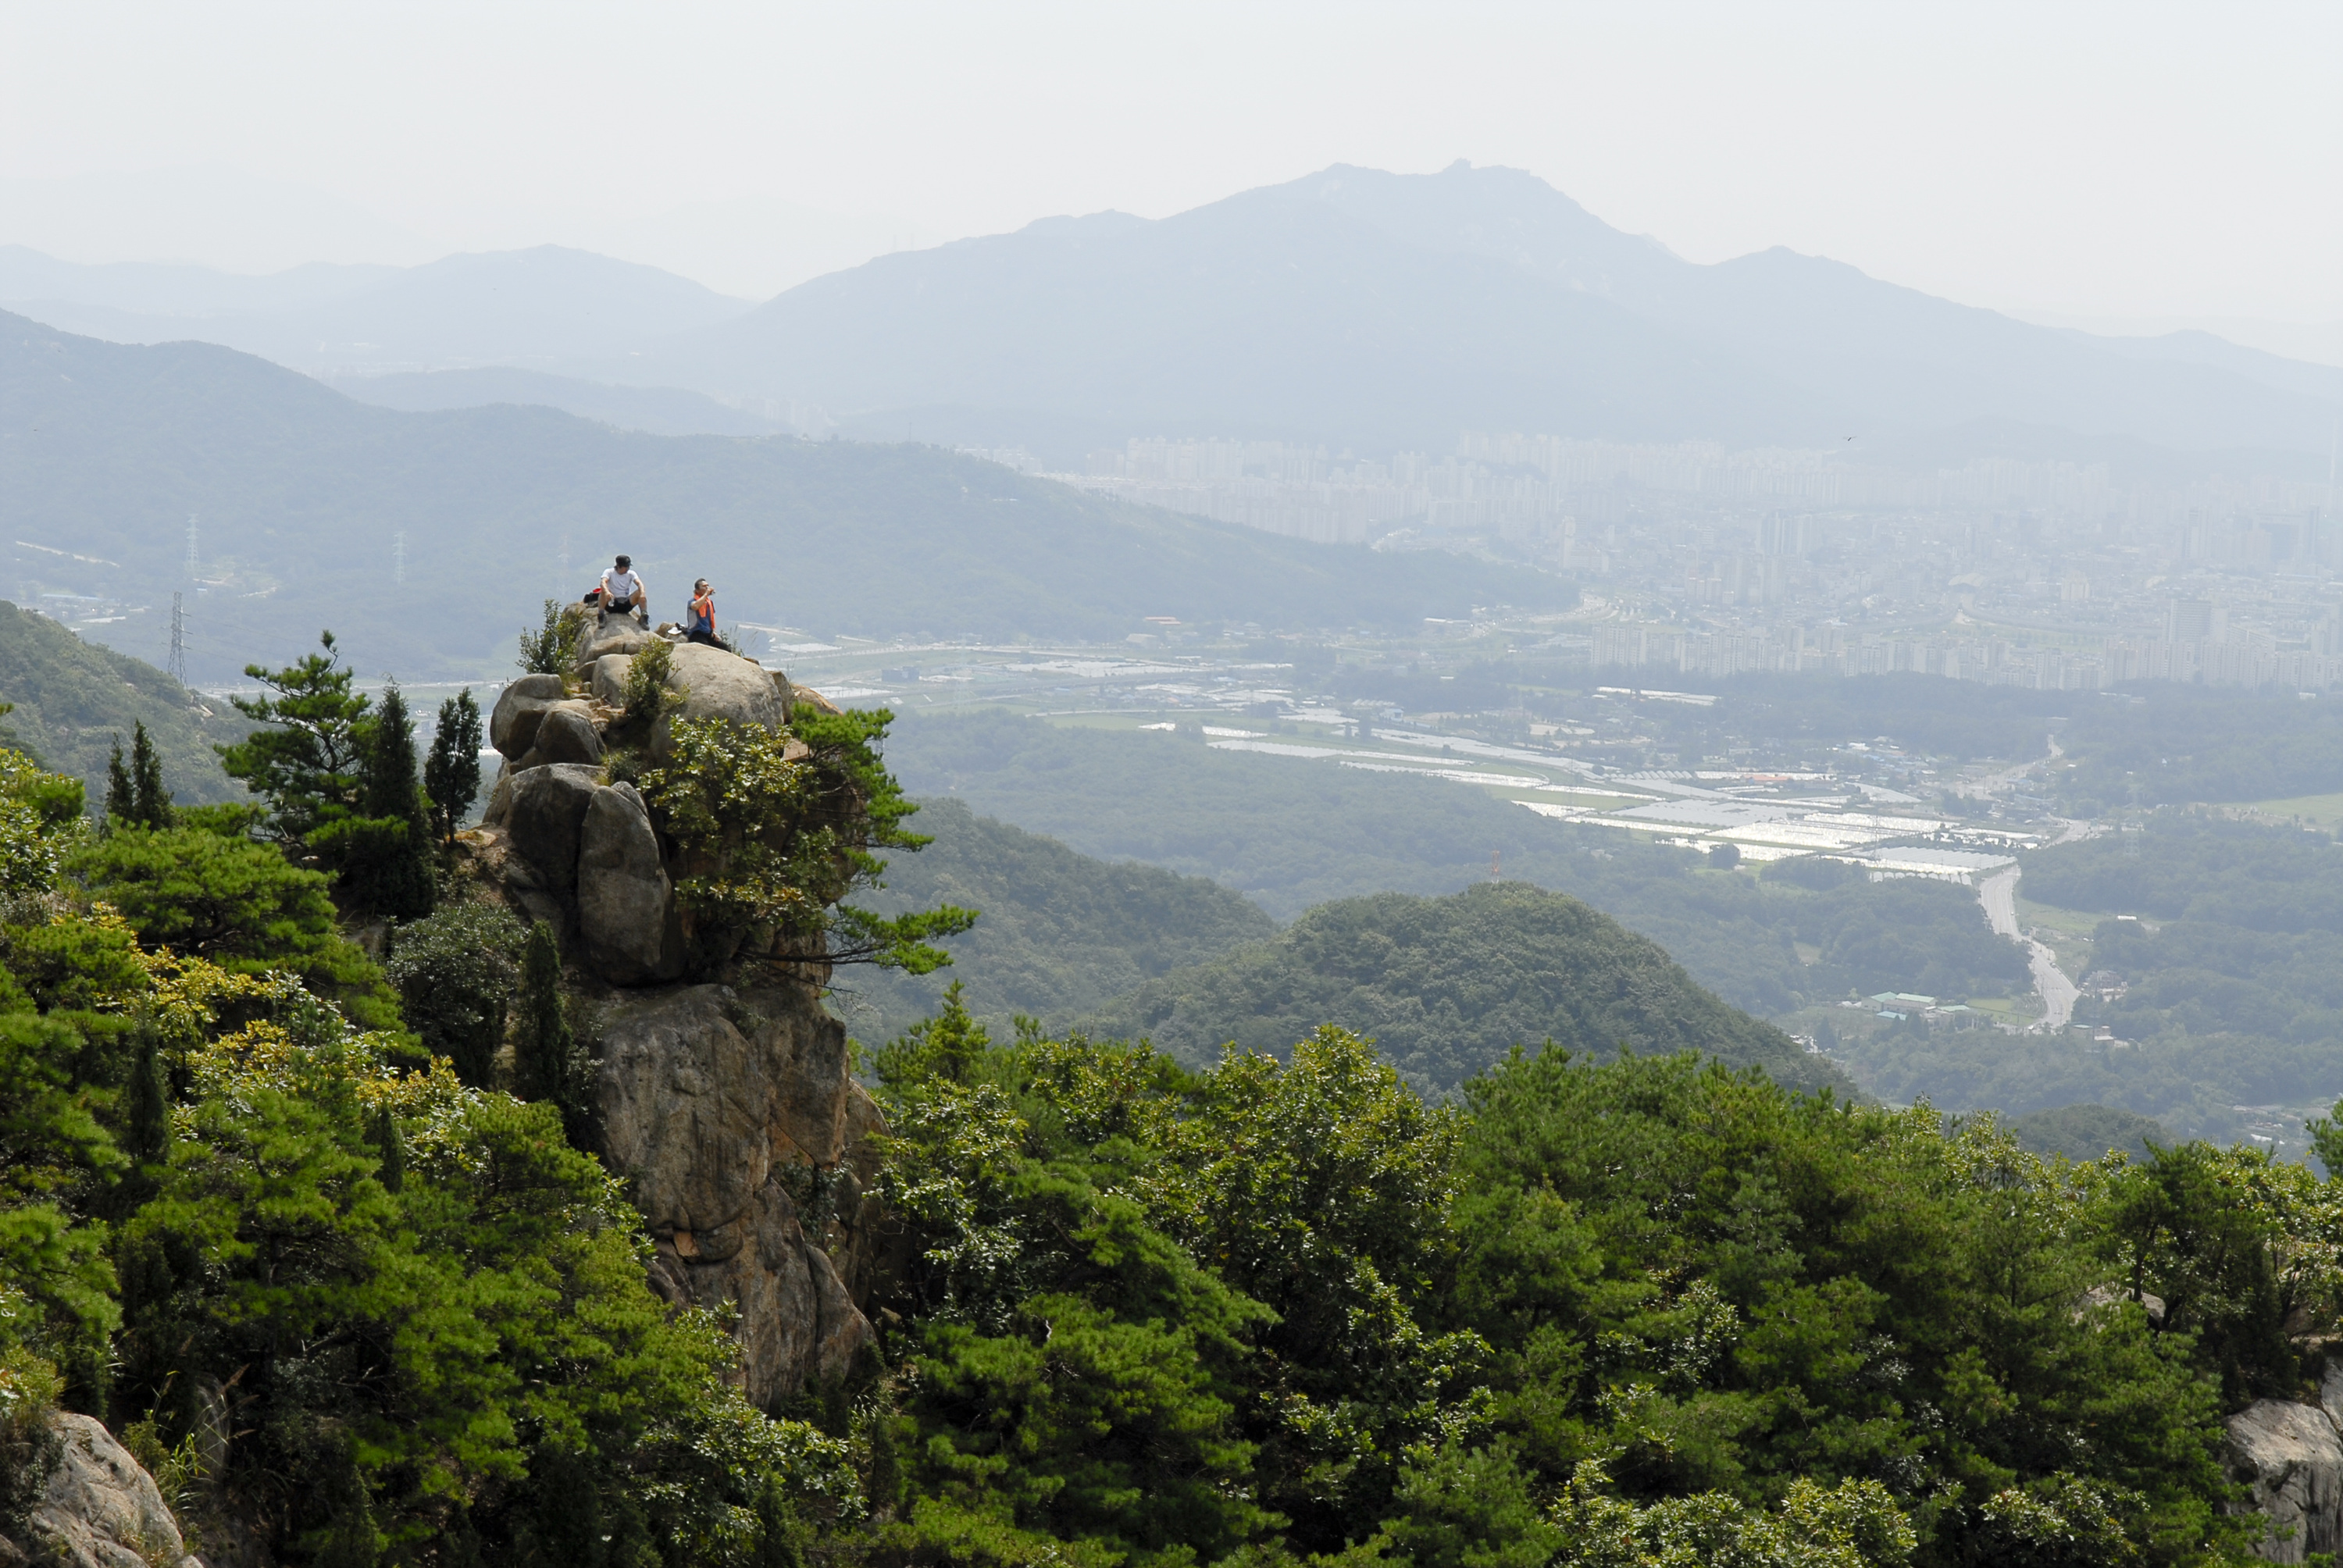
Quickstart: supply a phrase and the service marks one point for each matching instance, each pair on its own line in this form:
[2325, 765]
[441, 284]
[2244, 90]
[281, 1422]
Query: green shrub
[547, 650]
[456, 971]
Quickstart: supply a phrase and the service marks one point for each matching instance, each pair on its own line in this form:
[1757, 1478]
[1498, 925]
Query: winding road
[1998, 894]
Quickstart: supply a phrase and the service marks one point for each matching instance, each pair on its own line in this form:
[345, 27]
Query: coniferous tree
[135, 795]
[150, 799]
[390, 1150]
[543, 1046]
[305, 758]
[451, 774]
[150, 1118]
[384, 851]
[121, 795]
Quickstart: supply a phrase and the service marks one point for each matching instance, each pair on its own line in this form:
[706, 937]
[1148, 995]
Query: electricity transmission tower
[178, 665]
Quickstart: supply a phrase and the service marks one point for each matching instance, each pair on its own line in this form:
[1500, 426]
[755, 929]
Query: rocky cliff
[2291, 1454]
[728, 1106]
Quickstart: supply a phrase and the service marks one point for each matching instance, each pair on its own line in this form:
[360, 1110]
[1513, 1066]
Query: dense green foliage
[385, 850]
[1062, 933]
[222, 898]
[2083, 1133]
[135, 795]
[458, 970]
[1904, 934]
[375, 1314]
[298, 484]
[1445, 987]
[73, 700]
[778, 842]
[1288, 835]
[2172, 745]
[1644, 1313]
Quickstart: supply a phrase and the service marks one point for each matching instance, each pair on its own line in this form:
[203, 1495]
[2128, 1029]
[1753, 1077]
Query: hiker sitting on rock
[623, 591]
[699, 621]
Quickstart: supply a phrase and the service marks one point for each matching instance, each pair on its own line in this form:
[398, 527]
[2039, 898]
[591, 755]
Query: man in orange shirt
[700, 625]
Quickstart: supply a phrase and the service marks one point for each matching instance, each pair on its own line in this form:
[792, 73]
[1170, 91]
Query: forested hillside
[303, 494]
[1446, 986]
[2228, 983]
[1060, 933]
[1639, 1313]
[75, 699]
[320, 1240]
[1289, 836]
[2172, 744]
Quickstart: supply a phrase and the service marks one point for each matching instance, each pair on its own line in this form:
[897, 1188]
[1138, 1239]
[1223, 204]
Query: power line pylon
[178, 665]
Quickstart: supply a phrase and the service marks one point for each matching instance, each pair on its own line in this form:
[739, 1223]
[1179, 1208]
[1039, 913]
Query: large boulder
[608, 680]
[719, 685]
[599, 638]
[567, 735]
[542, 811]
[520, 708]
[626, 907]
[730, 1117]
[2292, 1457]
[100, 1508]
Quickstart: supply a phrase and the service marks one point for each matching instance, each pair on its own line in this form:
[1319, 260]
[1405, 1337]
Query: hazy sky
[2110, 160]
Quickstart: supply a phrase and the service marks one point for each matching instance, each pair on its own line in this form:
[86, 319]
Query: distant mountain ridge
[425, 540]
[546, 307]
[1356, 304]
[1353, 306]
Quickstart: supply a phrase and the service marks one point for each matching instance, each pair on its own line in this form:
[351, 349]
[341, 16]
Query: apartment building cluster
[1328, 499]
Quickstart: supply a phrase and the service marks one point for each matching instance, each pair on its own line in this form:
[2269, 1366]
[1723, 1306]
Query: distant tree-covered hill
[302, 499]
[1290, 834]
[1446, 986]
[74, 699]
[1061, 933]
[2088, 1131]
[2227, 987]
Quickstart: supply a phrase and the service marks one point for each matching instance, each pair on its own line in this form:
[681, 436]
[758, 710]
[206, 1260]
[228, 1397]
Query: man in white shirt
[623, 591]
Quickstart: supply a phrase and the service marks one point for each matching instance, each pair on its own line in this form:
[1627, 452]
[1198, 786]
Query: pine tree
[150, 1118]
[451, 775]
[384, 851]
[542, 1050]
[121, 795]
[150, 799]
[390, 1150]
[305, 754]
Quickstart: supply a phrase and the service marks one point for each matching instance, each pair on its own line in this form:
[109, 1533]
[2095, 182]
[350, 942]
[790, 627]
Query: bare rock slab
[719, 685]
[542, 811]
[729, 1119]
[568, 735]
[626, 906]
[2293, 1458]
[100, 1508]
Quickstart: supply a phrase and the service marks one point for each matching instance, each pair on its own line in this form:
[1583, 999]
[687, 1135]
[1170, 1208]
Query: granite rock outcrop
[730, 1111]
[99, 1508]
[2290, 1453]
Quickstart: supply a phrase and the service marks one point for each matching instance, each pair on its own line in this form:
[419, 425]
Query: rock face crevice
[730, 1112]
